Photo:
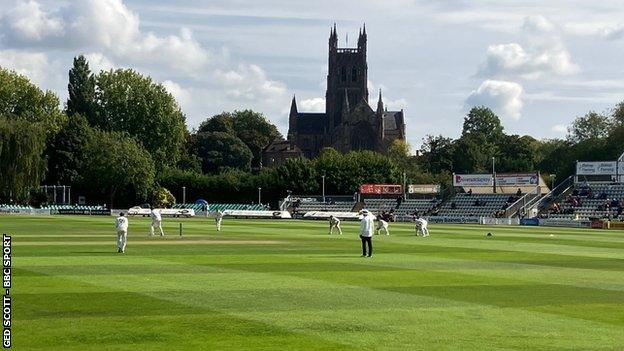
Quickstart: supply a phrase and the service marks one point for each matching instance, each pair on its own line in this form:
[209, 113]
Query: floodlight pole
[323, 177]
[183, 194]
[404, 186]
[259, 195]
[494, 173]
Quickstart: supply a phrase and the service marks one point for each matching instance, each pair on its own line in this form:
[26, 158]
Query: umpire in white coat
[367, 227]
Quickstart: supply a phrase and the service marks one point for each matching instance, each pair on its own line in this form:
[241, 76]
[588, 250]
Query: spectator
[519, 192]
[469, 192]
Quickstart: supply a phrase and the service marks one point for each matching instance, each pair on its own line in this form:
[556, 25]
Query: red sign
[384, 189]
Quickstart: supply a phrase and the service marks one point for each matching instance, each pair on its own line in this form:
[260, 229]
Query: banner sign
[503, 179]
[499, 221]
[384, 189]
[325, 215]
[423, 188]
[472, 180]
[75, 211]
[560, 222]
[529, 221]
[25, 211]
[257, 214]
[453, 220]
[173, 212]
[596, 168]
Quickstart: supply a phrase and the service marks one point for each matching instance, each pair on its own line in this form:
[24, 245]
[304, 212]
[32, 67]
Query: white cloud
[397, 104]
[545, 54]
[102, 25]
[249, 82]
[312, 105]
[27, 22]
[98, 62]
[35, 66]
[559, 128]
[613, 33]
[183, 96]
[504, 98]
[538, 25]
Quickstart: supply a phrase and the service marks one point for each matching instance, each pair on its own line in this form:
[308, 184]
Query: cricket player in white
[334, 222]
[218, 218]
[121, 224]
[421, 226]
[156, 222]
[381, 224]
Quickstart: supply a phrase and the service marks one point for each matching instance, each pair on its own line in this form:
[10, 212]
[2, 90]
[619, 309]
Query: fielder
[381, 224]
[421, 226]
[156, 222]
[218, 218]
[121, 224]
[334, 222]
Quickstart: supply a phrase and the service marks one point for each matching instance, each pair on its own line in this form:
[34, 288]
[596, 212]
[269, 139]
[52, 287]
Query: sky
[538, 64]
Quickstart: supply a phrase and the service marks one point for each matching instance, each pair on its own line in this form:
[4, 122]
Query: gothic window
[354, 75]
[343, 74]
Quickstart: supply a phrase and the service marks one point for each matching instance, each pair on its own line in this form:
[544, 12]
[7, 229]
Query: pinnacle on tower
[293, 105]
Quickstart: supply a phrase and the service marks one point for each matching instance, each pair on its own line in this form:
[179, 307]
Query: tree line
[122, 139]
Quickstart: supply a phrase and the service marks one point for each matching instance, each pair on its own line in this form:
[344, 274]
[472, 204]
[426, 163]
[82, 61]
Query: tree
[618, 114]
[132, 103]
[299, 176]
[162, 197]
[517, 154]
[483, 124]
[219, 150]
[81, 90]
[400, 152]
[481, 136]
[589, 127]
[21, 162]
[255, 131]
[112, 161]
[189, 161]
[20, 99]
[437, 153]
[65, 150]
[222, 122]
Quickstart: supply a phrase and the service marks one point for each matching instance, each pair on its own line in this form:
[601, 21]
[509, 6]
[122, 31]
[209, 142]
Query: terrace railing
[540, 203]
[517, 206]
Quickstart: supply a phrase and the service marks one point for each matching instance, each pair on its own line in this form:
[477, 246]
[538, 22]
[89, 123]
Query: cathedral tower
[347, 74]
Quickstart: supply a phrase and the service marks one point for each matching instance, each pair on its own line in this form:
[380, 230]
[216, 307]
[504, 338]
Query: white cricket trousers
[122, 235]
[337, 226]
[156, 224]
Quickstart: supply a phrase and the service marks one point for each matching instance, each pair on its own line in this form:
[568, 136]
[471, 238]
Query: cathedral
[349, 122]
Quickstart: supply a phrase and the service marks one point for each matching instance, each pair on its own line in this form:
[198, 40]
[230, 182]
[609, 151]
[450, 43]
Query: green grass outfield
[288, 285]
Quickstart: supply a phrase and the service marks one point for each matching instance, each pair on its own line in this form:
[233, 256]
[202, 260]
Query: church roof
[393, 120]
[282, 146]
[311, 123]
